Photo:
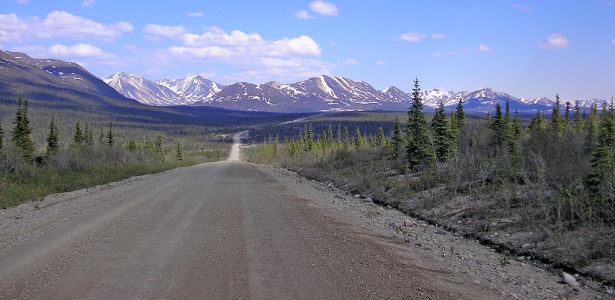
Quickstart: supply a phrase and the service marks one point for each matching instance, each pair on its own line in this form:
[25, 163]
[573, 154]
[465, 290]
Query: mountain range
[322, 93]
[23, 75]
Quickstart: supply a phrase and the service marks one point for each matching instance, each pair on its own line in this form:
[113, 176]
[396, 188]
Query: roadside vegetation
[65, 156]
[543, 188]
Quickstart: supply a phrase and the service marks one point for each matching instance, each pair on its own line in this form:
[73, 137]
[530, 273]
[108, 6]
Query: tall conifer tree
[419, 149]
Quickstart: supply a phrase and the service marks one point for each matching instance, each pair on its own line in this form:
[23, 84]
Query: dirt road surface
[226, 230]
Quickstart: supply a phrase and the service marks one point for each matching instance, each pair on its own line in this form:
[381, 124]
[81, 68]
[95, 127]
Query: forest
[540, 187]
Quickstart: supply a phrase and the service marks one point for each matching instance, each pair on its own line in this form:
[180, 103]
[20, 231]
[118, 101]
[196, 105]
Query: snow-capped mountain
[164, 92]
[192, 88]
[322, 93]
[142, 90]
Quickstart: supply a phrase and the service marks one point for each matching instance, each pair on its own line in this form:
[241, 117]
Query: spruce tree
[178, 152]
[460, 115]
[557, 123]
[507, 114]
[78, 136]
[567, 113]
[442, 135]
[330, 136]
[498, 129]
[110, 138]
[537, 123]
[517, 128]
[601, 180]
[592, 123]
[52, 138]
[419, 149]
[358, 140]
[396, 140]
[346, 138]
[339, 135]
[579, 123]
[380, 138]
[21, 134]
[101, 136]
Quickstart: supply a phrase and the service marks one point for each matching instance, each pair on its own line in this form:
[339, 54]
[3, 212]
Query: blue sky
[525, 48]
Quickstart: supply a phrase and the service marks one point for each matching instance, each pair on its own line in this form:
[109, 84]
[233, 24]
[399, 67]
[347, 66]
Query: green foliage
[460, 115]
[346, 138]
[358, 139]
[601, 180]
[579, 122]
[498, 128]
[380, 138]
[419, 149]
[21, 134]
[52, 138]
[443, 137]
[396, 140]
[178, 152]
[592, 124]
[557, 123]
[78, 135]
[110, 138]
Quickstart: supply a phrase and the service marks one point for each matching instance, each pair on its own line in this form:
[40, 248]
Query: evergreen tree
[310, 138]
[442, 134]
[52, 138]
[601, 180]
[380, 138]
[567, 113]
[498, 129]
[460, 115]
[592, 122]
[101, 136]
[396, 140]
[419, 149]
[158, 145]
[507, 114]
[178, 152]
[517, 128]
[358, 140]
[579, 123]
[110, 138]
[557, 123]
[537, 123]
[346, 138]
[78, 136]
[330, 136]
[339, 135]
[21, 134]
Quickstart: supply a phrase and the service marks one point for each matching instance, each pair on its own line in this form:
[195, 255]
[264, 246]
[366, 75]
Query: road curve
[227, 230]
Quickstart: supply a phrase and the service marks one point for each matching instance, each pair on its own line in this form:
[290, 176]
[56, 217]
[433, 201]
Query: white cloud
[200, 52]
[484, 48]
[59, 24]
[80, 50]
[412, 37]
[438, 36]
[324, 8]
[154, 31]
[554, 41]
[23, 1]
[351, 61]
[88, 3]
[303, 15]
[11, 28]
[195, 14]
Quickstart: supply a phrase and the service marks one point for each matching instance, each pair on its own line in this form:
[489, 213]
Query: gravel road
[226, 230]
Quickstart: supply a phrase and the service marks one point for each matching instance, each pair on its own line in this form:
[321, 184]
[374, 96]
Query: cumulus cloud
[554, 41]
[88, 3]
[195, 14]
[324, 8]
[59, 24]
[484, 48]
[412, 37]
[303, 15]
[155, 31]
[80, 50]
